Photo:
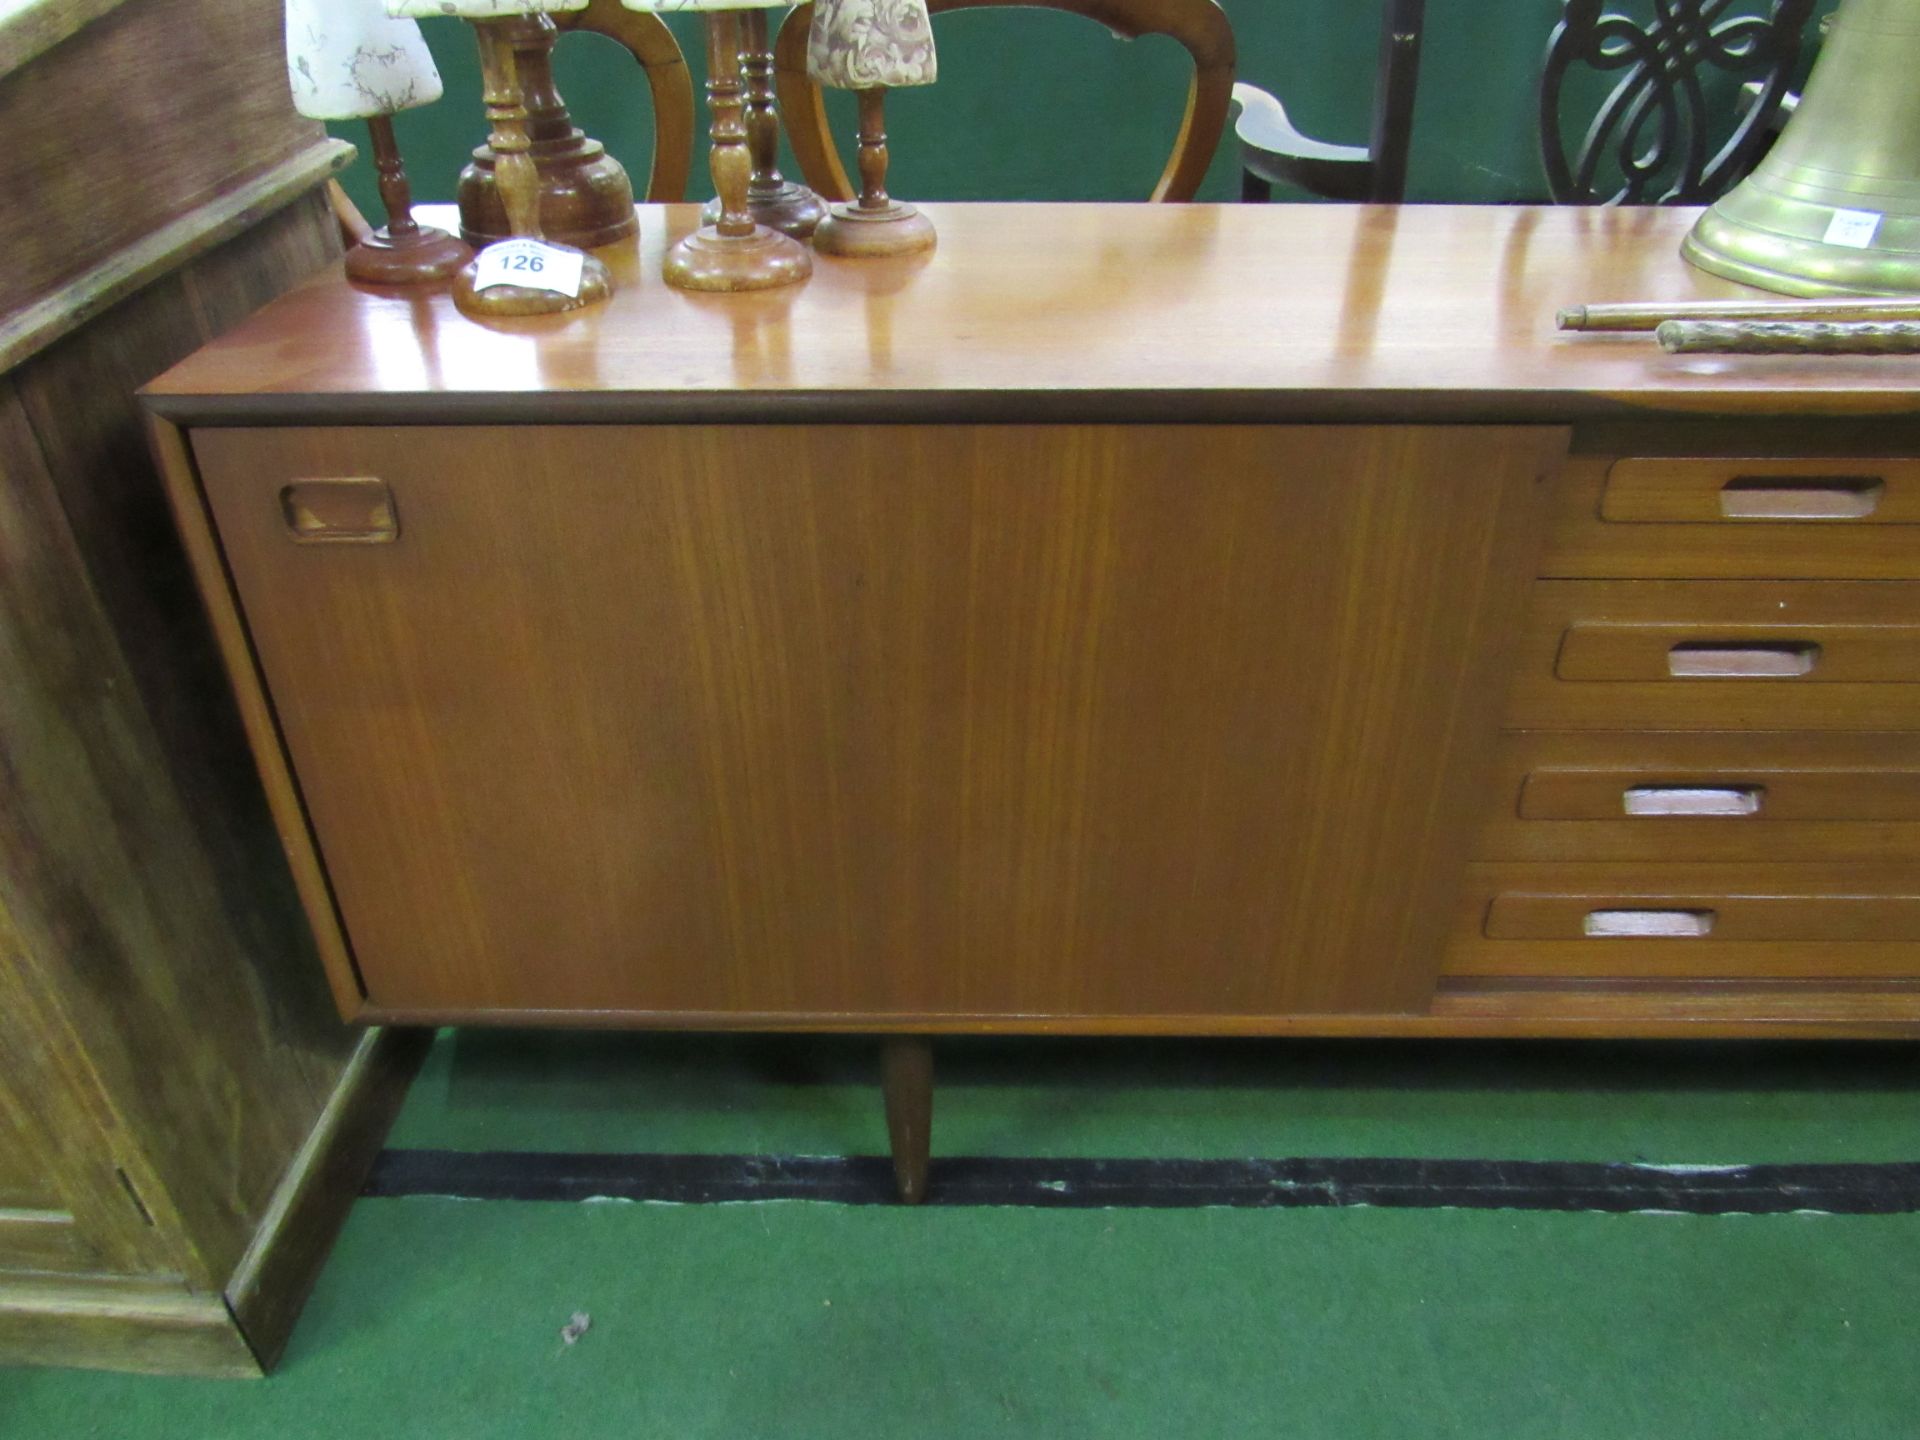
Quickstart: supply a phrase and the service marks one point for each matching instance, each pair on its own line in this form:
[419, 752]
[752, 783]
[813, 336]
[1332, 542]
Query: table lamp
[772, 199]
[347, 60]
[872, 46]
[586, 198]
[524, 274]
[732, 251]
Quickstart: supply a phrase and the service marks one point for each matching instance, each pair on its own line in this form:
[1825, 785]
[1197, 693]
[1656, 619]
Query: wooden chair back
[1273, 151]
[1200, 26]
[1658, 137]
[646, 37]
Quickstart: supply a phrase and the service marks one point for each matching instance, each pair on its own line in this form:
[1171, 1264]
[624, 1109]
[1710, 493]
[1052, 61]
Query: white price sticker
[532, 264]
[1853, 228]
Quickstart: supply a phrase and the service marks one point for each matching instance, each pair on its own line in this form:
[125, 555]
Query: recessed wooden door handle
[1771, 660]
[1824, 497]
[355, 510]
[1649, 924]
[1693, 799]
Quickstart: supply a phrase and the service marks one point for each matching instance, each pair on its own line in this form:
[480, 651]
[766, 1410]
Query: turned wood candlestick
[733, 252]
[586, 198]
[772, 199]
[403, 251]
[876, 224]
[519, 186]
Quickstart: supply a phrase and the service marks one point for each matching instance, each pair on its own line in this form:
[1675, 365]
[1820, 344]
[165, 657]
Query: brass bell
[1834, 209]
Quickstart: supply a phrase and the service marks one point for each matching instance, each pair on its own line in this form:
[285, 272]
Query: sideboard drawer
[1603, 795]
[1692, 517]
[1688, 921]
[1720, 655]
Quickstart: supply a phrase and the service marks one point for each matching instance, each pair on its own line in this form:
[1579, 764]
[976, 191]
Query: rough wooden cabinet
[1080, 632]
[180, 1112]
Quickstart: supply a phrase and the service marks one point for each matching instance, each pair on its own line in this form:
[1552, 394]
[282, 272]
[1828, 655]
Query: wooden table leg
[906, 1071]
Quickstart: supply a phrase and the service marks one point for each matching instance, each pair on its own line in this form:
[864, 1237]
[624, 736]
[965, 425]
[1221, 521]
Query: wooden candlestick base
[855, 232]
[503, 301]
[416, 257]
[762, 259]
[790, 208]
[876, 224]
[403, 251]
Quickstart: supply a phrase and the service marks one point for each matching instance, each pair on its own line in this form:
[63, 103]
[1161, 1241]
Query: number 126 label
[531, 264]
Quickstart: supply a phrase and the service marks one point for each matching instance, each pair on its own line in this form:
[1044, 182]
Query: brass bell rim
[1849, 155]
[1810, 269]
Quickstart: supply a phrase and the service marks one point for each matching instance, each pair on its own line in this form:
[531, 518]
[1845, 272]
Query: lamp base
[585, 196]
[762, 260]
[416, 257]
[500, 301]
[856, 233]
[788, 207]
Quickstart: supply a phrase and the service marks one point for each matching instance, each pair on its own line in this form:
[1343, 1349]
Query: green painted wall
[1038, 105]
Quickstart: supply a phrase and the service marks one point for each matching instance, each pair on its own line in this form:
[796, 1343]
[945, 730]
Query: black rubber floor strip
[1079, 1184]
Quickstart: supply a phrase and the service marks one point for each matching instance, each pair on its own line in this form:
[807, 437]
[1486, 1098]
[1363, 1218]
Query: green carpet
[442, 1318]
[783, 1321]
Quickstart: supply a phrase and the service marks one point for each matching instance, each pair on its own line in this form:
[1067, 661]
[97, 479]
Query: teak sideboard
[1129, 619]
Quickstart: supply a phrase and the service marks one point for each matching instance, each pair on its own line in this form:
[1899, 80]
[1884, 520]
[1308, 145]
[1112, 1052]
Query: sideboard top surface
[1070, 312]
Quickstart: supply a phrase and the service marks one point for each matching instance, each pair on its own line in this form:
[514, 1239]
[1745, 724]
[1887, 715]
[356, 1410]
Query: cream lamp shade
[347, 60]
[871, 44]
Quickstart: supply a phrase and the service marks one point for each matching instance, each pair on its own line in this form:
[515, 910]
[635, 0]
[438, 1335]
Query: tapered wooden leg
[906, 1076]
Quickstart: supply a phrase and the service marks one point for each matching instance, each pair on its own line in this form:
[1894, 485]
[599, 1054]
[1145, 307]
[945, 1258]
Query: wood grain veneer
[1061, 312]
[919, 720]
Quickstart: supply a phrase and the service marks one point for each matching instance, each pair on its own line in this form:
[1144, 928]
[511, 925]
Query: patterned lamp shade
[346, 60]
[480, 9]
[870, 44]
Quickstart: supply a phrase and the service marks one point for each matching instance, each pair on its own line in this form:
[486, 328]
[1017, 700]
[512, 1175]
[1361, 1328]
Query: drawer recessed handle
[1649, 924]
[1816, 497]
[355, 510]
[1718, 659]
[1694, 799]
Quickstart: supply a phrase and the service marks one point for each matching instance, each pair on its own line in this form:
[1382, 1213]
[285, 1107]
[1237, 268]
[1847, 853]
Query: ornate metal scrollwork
[1656, 125]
